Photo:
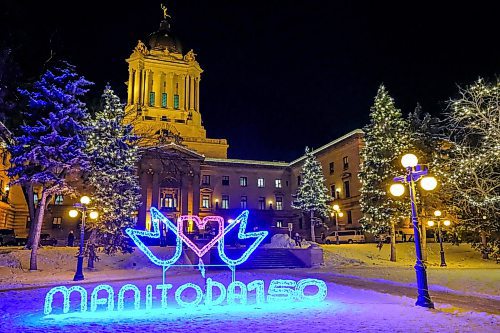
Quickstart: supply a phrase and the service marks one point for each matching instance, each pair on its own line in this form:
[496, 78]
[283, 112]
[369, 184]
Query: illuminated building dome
[164, 39]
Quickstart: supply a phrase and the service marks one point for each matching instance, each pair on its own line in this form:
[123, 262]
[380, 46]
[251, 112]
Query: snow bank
[283, 241]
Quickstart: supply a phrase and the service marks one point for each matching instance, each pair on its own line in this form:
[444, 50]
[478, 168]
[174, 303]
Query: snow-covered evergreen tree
[474, 119]
[52, 146]
[312, 195]
[386, 140]
[114, 155]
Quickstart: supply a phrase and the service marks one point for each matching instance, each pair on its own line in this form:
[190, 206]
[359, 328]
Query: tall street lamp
[81, 207]
[414, 173]
[336, 211]
[437, 215]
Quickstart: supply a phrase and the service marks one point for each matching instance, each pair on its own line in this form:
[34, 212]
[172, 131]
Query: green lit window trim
[152, 98]
[176, 101]
[164, 100]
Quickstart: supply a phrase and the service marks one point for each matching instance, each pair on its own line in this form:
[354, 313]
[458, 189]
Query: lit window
[260, 182]
[56, 222]
[152, 98]
[176, 101]
[164, 100]
[225, 202]
[279, 203]
[205, 201]
[262, 203]
[243, 181]
[168, 198]
[35, 199]
[279, 224]
[225, 180]
[205, 180]
[58, 200]
[243, 202]
[346, 162]
[332, 169]
[277, 183]
[190, 225]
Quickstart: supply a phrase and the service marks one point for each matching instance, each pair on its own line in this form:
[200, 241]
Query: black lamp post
[81, 207]
[414, 173]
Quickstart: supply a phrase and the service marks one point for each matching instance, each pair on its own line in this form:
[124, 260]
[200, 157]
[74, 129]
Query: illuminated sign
[102, 297]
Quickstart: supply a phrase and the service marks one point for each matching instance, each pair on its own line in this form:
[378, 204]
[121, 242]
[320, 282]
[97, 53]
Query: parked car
[7, 237]
[46, 240]
[346, 236]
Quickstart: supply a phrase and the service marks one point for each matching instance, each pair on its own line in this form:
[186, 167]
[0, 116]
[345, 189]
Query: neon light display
[188, 295]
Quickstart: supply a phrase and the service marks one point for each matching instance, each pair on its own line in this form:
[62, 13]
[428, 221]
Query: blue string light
[197, 300]
[259, 235]
[319, 296]
[281, 291]
[233, 296]
[258, 286]
[49, 298]
[121, 296]
[135, 235]
[95, 301]
[164, 292]
[209, 297]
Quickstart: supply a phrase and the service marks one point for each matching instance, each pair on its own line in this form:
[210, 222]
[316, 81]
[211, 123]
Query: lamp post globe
[430, 223]
[447, 223]
[85, 200]
[428, 183]
[397, 190]
[409, 160]
[336, 207]
[73, 213]
[93, 215]
[437, 213]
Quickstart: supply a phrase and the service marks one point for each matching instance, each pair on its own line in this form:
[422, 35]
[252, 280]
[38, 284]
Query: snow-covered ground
[466, 272]
[345, 309]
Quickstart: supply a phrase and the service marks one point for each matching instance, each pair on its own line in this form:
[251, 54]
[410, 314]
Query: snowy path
[346, 309]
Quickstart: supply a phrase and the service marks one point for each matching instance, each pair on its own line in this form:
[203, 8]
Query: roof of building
[248, 162]
[164, 39]
[328, 145]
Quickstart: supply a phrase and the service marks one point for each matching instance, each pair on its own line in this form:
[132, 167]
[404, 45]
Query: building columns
[196, 193]
[130, 87]
[137, 86]
[191, 92]
[197, 94]
[170, 87]
[157, 88]
[156, 190]
[141, 216]
[182, 85]
[146, 87]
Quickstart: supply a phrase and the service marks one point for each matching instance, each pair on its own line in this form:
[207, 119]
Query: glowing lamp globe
[430, 223]
[428, 183]
[341, 214]
[85, 200]
[397, 190]
[94, 215]
[447, 222]
[73, 213]
[437, 213]
[336, 207]
[409, 160]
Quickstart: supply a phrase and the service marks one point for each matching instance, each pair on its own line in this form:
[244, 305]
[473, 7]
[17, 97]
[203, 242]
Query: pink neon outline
[200, 225]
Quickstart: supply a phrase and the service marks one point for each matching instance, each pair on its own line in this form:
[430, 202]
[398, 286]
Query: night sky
[279, 75]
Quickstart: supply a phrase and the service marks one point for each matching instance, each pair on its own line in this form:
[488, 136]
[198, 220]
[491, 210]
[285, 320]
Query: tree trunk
[484, 243]
[393, 241]
[28, 196]
[91, 249]
[313, 234]
[37, 230]
[423, 241]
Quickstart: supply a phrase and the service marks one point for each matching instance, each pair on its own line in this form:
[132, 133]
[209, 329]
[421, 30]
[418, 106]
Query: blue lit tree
[312, 195]
[52, 146]
[114, 154]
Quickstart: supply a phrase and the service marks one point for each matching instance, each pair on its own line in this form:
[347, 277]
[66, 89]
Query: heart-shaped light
[201, 225]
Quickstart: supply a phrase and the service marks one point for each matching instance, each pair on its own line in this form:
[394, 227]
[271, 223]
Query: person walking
[297, 240]
[71, 238]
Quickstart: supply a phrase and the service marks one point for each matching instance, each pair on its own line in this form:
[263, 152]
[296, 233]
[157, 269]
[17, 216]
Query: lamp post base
[423, 299]
[424, 302]
[79, 270]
